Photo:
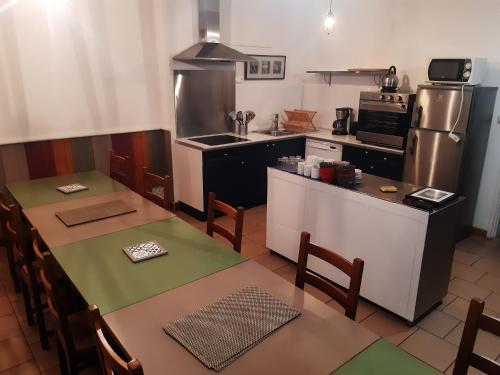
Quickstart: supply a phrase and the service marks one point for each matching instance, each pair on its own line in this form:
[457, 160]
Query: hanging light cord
[331, 1]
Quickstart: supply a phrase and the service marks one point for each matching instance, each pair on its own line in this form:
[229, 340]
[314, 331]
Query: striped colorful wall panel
[83, 154]
[14, 163]
[63, 156]
[21, 162]
[40, 157]
[101, 145]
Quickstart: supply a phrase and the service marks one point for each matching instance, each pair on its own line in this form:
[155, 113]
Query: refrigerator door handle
[413, 144]
[420, 109]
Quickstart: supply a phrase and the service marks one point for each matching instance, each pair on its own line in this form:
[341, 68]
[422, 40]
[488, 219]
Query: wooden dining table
[317, 342]
[55, 233]
[105, 276]
[44, 191]
[138, 300]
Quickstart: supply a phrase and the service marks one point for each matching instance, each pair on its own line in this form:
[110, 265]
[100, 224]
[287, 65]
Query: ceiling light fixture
[329, 20]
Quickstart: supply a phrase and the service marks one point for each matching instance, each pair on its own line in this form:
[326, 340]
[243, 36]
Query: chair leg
[40, 319]
[13, 268]
[63, 363]
[27, 303]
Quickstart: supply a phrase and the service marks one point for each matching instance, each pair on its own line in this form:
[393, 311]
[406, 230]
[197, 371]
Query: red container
[327, 174]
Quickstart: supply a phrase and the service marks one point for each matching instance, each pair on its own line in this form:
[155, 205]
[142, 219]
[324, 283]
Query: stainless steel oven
[384, 118]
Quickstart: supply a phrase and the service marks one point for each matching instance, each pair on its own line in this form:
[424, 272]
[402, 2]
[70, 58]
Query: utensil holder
[242, 129]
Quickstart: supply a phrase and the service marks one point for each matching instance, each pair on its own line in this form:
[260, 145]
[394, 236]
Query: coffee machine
[342, 125]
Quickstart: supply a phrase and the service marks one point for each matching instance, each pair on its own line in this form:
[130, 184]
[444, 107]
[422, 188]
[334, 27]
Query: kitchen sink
[277, 133]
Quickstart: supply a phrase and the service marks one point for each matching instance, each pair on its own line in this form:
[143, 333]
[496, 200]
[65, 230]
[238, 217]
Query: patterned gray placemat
[94, 212]
[221, 332]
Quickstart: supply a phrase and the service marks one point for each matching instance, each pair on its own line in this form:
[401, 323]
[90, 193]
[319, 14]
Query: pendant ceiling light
[329, 20]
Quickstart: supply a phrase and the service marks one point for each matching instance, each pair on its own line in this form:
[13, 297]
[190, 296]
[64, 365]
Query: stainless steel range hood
[209, 49]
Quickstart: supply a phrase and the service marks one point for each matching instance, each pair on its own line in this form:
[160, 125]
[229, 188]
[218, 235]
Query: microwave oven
[465, 71]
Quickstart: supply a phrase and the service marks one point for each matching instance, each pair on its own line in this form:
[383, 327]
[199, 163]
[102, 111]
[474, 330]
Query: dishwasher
[324, 149]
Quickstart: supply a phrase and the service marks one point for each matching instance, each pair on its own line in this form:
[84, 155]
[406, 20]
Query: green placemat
[43, 191]
[383, 358]
[104, 275]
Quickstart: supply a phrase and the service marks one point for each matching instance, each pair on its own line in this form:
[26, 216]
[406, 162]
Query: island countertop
[370, 185]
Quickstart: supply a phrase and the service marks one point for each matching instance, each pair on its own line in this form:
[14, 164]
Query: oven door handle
[383, 107]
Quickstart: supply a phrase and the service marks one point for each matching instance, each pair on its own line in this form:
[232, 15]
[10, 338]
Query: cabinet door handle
[333, 147]
[242, 162]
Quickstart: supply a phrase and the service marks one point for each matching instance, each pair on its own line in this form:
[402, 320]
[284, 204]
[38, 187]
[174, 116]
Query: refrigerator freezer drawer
[433, 159]
[437, 108]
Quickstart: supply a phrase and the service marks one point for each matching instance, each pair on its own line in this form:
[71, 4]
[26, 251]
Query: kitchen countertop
[321, 135]
[370, 186]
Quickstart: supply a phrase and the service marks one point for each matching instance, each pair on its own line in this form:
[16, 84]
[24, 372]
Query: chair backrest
[466, 357]
[112, 363]
[158, 189]
[58, 302]
[4, 218]
[120, 169]
[349, 299]
[236, 213]
[20, 237]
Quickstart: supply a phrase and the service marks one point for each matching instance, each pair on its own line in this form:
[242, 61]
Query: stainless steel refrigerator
[434, 159]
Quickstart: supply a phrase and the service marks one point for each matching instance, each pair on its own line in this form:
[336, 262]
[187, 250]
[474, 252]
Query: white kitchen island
[408, 252]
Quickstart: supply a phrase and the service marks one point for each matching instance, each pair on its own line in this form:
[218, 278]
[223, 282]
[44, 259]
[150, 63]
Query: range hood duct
[209, 49]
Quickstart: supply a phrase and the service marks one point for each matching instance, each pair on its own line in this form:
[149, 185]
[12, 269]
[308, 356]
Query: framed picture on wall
[266, 67]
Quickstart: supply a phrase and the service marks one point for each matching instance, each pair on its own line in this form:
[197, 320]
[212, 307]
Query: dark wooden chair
[111, 362]
[28, 271]
[349, 299]
[158, 189]
[236, 213]
[75, 342]
[6, 241]
[120, 169]
[466, 357]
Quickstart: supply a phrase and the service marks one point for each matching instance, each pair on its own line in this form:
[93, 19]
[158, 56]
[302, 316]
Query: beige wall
[81, 67]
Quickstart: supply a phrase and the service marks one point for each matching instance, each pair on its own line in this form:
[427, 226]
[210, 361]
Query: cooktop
[215, 140]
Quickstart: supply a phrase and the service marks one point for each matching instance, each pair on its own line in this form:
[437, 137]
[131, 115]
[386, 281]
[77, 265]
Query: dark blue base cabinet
[238, 175]
[378, 163]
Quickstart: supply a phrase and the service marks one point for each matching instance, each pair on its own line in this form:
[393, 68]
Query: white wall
[368, 33]
[75, 67]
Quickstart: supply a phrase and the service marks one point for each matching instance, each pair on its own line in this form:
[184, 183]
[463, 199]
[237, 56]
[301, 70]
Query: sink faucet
[275, 122]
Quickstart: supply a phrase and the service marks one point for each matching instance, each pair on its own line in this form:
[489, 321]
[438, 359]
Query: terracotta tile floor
[476, 272]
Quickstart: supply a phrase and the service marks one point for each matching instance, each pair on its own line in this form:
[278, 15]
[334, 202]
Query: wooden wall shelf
[348, 72]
